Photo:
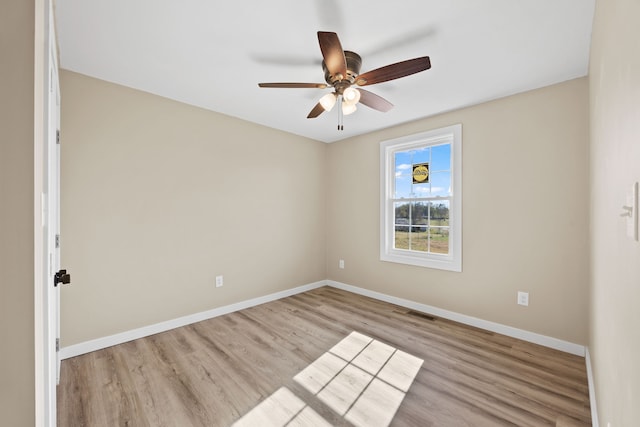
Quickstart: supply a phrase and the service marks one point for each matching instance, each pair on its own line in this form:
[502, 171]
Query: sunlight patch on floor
[361, 379]
[282, 408]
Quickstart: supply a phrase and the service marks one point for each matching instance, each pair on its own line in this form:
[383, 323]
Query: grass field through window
[418, 239]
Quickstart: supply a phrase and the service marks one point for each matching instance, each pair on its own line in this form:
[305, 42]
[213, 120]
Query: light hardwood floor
[214, 372]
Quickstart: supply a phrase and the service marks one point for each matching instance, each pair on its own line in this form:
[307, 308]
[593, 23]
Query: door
[54, 276]
[54, 213]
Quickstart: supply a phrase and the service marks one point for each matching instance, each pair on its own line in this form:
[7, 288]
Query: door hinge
[57, 136]
[57, 241]
[57, 344]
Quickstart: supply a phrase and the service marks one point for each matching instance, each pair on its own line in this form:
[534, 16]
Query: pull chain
[340, 114]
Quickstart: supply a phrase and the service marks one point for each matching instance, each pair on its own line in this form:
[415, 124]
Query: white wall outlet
[219, 281]
[523, 298]
[341, 263]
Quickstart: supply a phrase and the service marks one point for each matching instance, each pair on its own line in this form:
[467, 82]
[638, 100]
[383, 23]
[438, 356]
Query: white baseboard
[100, 343]
[592, 389]
[104, 342]
[532, 337]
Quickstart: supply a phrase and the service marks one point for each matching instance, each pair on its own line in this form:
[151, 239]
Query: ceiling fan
[342, 71]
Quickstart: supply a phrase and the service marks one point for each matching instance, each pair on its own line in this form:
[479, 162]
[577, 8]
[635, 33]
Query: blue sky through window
[439, 159]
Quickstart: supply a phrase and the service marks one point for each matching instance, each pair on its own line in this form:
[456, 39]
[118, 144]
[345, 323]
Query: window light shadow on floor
[361, 379]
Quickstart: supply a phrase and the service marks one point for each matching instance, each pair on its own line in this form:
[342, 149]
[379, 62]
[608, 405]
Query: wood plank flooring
[214, 372]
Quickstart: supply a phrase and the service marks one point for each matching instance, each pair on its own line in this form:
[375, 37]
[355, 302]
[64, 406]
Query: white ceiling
[213, 54]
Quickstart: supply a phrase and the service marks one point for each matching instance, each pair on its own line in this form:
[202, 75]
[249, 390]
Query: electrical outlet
[219, 281]
[341, 263]
[523, 298]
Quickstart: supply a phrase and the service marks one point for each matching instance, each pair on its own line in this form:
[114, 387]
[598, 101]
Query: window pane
[421, 190]
[420, 213]
[419, 239]
[401, 238]
[401, 222]
[402, 212]
[441, 157]
[439, 240]
[420, 161]
[440, 213]
[402, 166]
[419, 222]
[421, 155]
[441, 184]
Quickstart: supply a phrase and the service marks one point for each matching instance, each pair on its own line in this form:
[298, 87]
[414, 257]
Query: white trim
[111, 340]
[44, 293]
[567, 347]
[592, 389]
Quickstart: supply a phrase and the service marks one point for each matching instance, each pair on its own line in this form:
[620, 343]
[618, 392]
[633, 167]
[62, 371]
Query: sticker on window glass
[421, 173]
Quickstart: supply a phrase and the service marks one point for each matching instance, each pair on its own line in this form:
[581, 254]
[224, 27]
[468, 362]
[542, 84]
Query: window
[421, 198]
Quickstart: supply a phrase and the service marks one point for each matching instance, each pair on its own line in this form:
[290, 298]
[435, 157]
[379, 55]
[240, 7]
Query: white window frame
[452, 261]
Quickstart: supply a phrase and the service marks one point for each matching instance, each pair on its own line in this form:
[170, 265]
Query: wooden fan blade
[294, 85]
[374, 101]
[394, 71]
[332, 53]
[317, 110]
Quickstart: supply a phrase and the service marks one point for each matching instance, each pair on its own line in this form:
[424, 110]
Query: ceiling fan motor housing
[354, 62]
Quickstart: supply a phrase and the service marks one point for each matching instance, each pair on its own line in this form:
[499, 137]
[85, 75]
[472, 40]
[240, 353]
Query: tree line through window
[422, 226]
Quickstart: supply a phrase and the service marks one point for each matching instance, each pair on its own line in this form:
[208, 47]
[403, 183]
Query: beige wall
[525, 222]
[160, 197]
[17, 373]
[615, 165]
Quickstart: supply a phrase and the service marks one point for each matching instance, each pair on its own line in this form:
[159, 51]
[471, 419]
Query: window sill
[432, 261]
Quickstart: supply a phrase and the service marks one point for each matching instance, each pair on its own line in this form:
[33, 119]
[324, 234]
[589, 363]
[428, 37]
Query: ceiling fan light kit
[351, 96]
[328, 101]
[348, 108]
[342, 70]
